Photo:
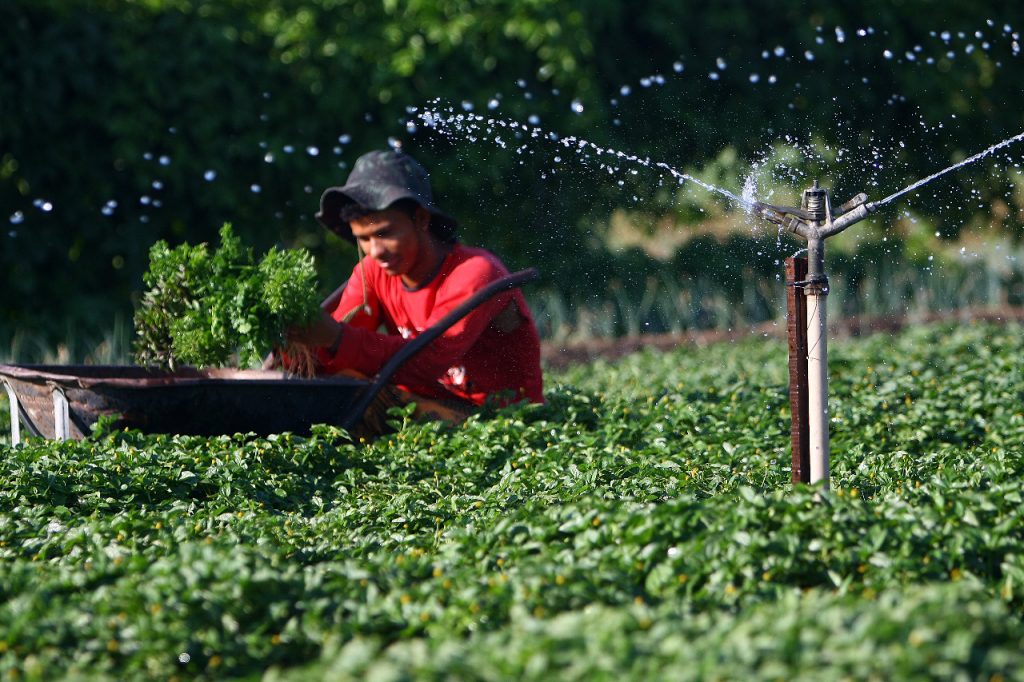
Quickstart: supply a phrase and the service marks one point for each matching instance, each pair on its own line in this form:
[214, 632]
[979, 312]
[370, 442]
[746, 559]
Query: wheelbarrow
[65, 401]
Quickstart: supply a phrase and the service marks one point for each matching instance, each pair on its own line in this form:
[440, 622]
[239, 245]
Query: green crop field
[640, 525]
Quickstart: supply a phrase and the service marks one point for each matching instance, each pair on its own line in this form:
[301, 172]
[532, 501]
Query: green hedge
[136, 101]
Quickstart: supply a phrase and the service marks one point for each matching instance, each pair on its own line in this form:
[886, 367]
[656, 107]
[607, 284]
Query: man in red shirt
[411, 273]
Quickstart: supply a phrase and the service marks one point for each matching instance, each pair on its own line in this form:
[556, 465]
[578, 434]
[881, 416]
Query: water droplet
[313, 151]
[165, 160]
[713, 75]
[410, 127]
[754, 78]
[840, 35]
[184, 657]
[467, 105]
[625, 90]
[145, 200]
[945, 35]
[779, 51]
[492, 104]
[17, 218]
[773, 79]
[395, 143]
[533, 119]
[887, 54]
[576, 106]
[645, 82]
[157, 185]
[344, 139]
[268, 157]
[808, 55]
[678, 67]
[720, 63]
[255, 189]
[521, 83]
[210, 175]
[288, 149]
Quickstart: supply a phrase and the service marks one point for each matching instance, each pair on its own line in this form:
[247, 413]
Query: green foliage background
[134, 101]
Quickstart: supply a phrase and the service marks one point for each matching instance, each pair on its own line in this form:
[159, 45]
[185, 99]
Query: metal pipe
[817, 380]
[815, 260]
[849, 218]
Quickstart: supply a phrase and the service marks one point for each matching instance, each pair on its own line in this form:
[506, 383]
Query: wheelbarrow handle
[418, 343]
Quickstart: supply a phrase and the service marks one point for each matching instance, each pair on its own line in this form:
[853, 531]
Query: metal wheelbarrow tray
[64, 401]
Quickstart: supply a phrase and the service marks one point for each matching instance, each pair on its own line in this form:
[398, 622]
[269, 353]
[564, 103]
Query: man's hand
[324, 333]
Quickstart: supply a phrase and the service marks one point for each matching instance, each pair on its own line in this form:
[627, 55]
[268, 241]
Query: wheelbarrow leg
[61, 418]
[15, 422]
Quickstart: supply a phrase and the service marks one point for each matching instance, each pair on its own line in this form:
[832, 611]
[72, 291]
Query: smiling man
[411, 273]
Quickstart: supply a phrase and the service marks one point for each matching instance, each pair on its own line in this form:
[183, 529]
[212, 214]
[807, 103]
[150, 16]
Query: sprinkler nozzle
[816, 202]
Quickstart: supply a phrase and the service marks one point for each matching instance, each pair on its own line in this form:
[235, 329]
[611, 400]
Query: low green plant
[641, 524]
[220, 307]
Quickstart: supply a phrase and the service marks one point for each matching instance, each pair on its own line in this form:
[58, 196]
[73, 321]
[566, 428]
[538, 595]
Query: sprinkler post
[815, 222]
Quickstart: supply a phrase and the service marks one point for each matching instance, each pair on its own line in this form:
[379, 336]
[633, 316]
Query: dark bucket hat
[379, 179]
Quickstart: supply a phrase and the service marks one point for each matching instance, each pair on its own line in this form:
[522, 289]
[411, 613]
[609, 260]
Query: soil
[555, 356]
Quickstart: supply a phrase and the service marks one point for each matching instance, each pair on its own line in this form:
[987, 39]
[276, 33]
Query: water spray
[815, 222]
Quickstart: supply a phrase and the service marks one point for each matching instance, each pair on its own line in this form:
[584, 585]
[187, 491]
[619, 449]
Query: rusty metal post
[796, 326]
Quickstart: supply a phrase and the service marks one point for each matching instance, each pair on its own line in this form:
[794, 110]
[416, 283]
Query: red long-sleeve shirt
[471, 361]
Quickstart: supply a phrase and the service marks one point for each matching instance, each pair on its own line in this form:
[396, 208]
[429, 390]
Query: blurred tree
[123, 122]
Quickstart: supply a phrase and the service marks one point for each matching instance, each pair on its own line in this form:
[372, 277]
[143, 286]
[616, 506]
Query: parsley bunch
[221, 307]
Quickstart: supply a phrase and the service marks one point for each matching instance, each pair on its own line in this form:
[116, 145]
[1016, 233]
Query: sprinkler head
[815, 219]
[815, 201]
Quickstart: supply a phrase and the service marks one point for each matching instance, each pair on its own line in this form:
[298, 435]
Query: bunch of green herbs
[221, 307]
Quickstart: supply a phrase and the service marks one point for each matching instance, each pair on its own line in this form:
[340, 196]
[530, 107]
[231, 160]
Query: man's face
[396, 240]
